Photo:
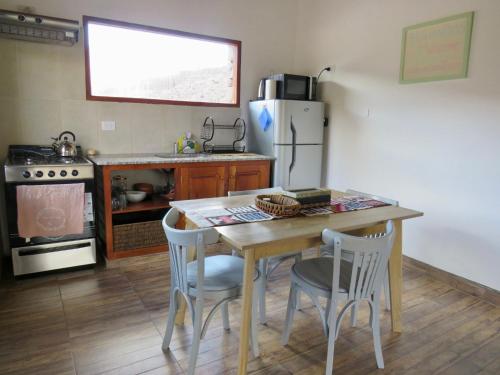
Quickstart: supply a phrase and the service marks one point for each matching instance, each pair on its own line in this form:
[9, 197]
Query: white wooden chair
[266, 265]
[326, 252]
[218, 278]
[338, 280]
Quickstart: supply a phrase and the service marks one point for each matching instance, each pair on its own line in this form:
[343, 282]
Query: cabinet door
[202, 182]
[248, 176]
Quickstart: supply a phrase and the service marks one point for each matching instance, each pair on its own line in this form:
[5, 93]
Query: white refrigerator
[292, 132]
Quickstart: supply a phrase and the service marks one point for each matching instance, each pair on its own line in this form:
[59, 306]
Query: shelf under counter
[147, 205]
[200, 177]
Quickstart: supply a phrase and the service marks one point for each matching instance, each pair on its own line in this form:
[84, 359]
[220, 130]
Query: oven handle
[45, 249]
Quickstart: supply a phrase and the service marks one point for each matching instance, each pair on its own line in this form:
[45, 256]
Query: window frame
[134, 26]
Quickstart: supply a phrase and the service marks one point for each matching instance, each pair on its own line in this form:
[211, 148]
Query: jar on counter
[119, 183]
[119, 189]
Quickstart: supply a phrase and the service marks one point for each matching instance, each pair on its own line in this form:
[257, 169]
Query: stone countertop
[159, 158]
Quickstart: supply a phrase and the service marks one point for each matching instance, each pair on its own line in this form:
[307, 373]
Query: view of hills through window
[138, 63]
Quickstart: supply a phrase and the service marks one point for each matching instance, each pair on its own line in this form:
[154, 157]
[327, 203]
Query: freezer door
[300, 169]
[259, 140]
[305, 118]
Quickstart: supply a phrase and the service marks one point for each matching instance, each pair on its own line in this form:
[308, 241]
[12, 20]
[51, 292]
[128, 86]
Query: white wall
[42, 90]
[434, 146]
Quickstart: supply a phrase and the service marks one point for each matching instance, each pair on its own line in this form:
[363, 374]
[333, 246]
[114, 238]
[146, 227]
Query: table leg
[181, 312]
[246, 310]
[396, 277]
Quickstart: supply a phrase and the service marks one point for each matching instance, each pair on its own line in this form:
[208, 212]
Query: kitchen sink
[179, 156]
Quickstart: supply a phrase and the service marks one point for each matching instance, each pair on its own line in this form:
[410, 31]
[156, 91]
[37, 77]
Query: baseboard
[467, 286]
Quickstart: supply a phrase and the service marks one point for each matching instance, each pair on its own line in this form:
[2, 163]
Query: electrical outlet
[108, 125]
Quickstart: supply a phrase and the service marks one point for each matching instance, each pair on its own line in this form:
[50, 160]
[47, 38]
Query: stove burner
[32, 160]
[40, 163]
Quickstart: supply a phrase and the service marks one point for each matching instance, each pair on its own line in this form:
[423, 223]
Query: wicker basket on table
[277, 205]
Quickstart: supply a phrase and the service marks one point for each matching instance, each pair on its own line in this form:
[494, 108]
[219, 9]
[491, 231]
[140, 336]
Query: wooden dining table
[269, 238]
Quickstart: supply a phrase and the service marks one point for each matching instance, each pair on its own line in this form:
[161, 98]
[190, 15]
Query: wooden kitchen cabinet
[248, 176]
[202, 182]
[193, 180]
[208, 180]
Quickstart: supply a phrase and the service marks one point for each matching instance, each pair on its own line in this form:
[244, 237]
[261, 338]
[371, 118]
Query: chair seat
[318, 272]
[222, 272]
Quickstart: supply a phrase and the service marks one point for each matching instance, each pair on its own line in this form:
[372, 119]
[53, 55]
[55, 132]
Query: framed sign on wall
[436, 50]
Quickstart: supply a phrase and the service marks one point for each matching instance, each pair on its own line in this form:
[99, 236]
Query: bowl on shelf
[134, 196]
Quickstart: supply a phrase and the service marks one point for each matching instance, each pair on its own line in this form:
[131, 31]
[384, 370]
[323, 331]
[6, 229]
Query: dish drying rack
[208, 131]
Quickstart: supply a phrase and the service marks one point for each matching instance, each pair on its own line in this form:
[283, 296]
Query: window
[133, 63]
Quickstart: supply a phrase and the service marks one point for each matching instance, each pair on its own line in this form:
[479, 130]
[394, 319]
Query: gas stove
[41, 163]
[27, 167]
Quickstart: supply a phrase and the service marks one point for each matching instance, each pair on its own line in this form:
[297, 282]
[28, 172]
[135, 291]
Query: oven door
[54, 256]
[11, 201]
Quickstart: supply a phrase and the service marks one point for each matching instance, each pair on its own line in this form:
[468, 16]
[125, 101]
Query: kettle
[63, 147]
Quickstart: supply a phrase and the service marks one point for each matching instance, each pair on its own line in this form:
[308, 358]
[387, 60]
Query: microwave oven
[293, 87]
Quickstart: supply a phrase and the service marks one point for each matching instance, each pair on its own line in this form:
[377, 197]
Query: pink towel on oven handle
[50, 210]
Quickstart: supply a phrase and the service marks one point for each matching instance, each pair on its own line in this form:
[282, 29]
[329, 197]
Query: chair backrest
[370, 257]
[272, 190]
[392, 202]
[179, 242]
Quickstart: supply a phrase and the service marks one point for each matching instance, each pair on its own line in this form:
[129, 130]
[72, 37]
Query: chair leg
[375, 324]
[298, 304]
[292, 298]
[387, 292]
[354, 314]
[332, 333]
[262, 290]
[195, 345]
[172, 311]
[253, 325]
[225, 316]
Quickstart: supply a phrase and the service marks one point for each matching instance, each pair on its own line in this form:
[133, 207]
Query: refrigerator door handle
[294, 151]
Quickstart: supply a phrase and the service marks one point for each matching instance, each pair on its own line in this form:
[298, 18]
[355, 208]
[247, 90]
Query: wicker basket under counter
[138, 235]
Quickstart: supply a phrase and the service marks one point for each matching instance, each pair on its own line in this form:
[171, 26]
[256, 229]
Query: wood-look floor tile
[111, 321]
[44, 362]
[38, 298]
[482, 357]
[100, 346]
[142, 360]
[103, 286]
[401, 355]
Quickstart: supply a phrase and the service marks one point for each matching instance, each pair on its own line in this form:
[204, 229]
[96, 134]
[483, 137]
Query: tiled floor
[111, 321]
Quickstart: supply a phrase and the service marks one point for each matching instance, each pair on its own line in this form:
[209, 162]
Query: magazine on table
[229, 216]
[315, 211]
[344, 204]
[354, 203]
